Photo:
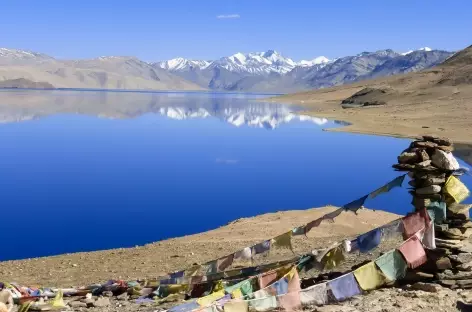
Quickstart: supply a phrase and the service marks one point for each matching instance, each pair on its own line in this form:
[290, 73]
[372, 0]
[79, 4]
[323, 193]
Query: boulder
[443, 263]
[458, 211]
[77, 304]
[424, 164]
[366, 97]
[443, 160]
[424, 144]
[462, 257]
[447, 149]
[422, 155]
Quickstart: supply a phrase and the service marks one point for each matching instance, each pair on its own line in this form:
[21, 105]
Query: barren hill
[434, 101]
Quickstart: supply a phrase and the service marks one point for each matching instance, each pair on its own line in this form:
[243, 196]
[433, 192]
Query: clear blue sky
[301, 29]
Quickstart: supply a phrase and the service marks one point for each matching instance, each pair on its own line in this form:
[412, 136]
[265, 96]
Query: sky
[155, 30]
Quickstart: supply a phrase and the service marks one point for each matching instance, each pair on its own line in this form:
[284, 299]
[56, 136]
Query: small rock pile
[430, 164]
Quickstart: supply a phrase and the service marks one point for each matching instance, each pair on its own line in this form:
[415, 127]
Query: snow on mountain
[320, 60]
[256, 63]
[426, 49]
[181, 63]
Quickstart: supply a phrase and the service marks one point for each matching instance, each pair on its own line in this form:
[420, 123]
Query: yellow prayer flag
[58, 302]
[236, 306]
[207, 300]
[283, 241]
[369, 277]
[176, 288]
[236, 293]
[456, 189]
[332, 258]
[192, 271]
[218, 286]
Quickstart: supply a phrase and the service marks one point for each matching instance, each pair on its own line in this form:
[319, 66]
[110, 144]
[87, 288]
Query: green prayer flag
[392, 265]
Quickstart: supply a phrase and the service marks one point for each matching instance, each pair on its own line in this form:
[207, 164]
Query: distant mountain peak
[320, 60]
[425, 49]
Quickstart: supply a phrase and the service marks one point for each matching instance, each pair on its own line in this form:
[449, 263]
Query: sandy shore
[158, 258]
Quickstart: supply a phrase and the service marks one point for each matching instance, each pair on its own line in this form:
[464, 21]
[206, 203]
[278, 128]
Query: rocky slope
[272, 72]
[99, 73]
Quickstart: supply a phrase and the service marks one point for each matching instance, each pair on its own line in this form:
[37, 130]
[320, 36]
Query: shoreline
[158, 258]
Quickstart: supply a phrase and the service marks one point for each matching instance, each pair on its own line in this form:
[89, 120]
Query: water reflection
[16, 106]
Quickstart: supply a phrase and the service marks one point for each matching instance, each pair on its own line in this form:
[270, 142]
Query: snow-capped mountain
[320, 60]
[181, 63]
[254, 63]
[426, 49]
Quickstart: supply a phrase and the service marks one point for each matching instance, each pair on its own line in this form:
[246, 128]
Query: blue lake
[92, 170]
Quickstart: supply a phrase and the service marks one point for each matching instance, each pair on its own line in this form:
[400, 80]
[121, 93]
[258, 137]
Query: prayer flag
[369, 240]
[392, 265]
[413, 252]
[224, 262]
[177, 274]
[261, 247]
[369, 277]
[267, 279]
[437, 212]
[413, 223]
[185, 307]
[236, 306]
[397, 182]
[344, 287]
[313, 224]
[332, 258]
[330, 216]
[207, 300]
[244, 254]
[298, 231]
[211, 267]
[263, 304]
[290, 301]
[456, 189]
[314, 295]
[355, 205]
[283, 241]
[393, 229]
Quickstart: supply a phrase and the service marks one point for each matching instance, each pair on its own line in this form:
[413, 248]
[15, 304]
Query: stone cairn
[429, 162]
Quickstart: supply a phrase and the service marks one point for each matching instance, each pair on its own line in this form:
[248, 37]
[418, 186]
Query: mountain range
[268, 71]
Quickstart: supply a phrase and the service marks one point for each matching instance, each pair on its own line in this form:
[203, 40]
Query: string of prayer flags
[313, 224]
[344, 287]
[192, 270]
[397, 182]
[283, 241]
[369, 277]
[207, 300]
[413, 252]
[356, 204]
[456, 189]
[177, 274]
[263, 303]
[330, 216]
[392, 229]
[369, 240]
[392, 265]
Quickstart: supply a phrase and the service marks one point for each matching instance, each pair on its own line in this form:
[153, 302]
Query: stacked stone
[430, 163]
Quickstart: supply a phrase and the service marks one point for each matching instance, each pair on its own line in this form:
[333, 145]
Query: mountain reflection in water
[237, 110]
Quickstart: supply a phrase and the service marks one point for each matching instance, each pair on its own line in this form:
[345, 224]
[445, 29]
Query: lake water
[85, 171]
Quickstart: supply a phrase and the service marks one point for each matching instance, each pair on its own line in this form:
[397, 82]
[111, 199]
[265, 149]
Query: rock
[424, 144]
[413, 276]
[447, 283]
[444, 160]
[422, 155]
[427, 175]
[464, 283]
[107, 293]
[6, 298]
[122, 297]
[464, 266]
[432, 197]
[423, 164]
[102, 302]
[426, 287]
[466, 225]
[461, 257]
[77, 304]
[428, 190]
[458, 211]
[443, 263]
[88, 301]
[447, 149]
[448, 275]
[408, 158]
[431, 181]
[404, 167]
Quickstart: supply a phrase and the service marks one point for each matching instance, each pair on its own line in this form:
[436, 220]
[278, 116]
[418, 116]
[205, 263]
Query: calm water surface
[93, 170]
